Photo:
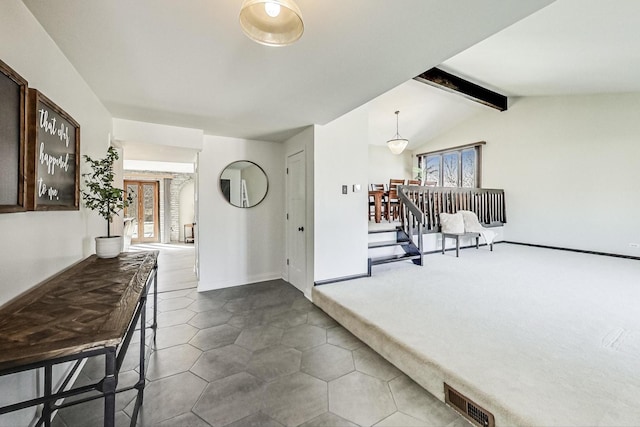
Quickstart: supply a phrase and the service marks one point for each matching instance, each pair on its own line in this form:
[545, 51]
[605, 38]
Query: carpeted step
[420, 367]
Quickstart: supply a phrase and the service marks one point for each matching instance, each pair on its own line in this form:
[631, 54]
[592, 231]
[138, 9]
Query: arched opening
[186, 208]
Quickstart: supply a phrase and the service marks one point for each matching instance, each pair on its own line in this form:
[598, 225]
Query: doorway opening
[144, 210]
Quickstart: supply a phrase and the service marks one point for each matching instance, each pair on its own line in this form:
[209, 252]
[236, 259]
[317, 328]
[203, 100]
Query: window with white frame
[454, 167]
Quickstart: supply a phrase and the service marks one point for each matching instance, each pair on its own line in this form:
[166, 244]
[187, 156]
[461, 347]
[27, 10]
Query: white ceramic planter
[108, 247]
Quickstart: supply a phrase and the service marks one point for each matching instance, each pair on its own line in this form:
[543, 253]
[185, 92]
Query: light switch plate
[356, 188]
[344, 189]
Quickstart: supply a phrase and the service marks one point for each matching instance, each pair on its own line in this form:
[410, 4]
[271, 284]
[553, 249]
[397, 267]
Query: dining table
[378, 196]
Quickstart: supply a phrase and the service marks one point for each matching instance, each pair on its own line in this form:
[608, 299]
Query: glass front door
[144, 211]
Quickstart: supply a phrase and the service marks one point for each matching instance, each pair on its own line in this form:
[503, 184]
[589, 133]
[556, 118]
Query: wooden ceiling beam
[441, 79]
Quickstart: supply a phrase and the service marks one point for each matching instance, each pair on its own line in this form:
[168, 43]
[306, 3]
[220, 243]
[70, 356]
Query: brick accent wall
[177, 183]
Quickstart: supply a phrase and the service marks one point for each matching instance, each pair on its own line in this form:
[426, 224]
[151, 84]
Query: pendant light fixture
[397, 144]
[271, 22]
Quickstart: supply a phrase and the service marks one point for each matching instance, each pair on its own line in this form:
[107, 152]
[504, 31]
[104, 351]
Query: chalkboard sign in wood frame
[53, 156]
[13, 131]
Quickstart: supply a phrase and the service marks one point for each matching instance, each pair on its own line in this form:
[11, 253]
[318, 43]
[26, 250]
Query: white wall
[36, 245]
[237, 245]
[341, 157]
[384, 165]
[568, 165]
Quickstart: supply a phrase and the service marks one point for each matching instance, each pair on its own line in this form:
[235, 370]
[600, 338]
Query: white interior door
[296, 223]
[196, 214]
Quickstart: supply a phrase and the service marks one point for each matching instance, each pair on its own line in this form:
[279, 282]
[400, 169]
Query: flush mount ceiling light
[397, 144]
[271, 22]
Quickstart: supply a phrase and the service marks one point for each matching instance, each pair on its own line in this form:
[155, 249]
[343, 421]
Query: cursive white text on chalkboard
[51, 161]
[50, 126]
[44, 191]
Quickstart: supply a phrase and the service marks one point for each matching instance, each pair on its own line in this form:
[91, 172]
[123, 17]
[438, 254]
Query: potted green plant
[101, 196]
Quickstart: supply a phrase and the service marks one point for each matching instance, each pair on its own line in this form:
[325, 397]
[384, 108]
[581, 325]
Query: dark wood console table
[90, 309]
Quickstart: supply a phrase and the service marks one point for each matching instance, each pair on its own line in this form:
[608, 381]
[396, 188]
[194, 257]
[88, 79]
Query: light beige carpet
[537, 336]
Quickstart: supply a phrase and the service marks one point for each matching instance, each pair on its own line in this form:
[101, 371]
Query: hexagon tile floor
[260, 355]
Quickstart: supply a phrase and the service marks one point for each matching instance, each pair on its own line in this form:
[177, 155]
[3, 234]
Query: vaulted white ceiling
[425, 112]
[187, 63]
[570, 47]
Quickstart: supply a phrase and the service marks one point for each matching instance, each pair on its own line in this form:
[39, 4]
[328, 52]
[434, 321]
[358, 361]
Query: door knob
[300, 228]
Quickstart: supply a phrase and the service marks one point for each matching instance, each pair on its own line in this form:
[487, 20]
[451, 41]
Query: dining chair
[414, 182]
[393, 202]
[372, 207]
[372, 201]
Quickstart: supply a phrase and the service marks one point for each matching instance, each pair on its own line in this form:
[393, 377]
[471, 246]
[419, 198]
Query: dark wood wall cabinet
[13, 131]
[90, 309]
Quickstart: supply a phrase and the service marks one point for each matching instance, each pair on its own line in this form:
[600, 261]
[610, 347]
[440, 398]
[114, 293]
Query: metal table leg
[109, 384]
[46, 409]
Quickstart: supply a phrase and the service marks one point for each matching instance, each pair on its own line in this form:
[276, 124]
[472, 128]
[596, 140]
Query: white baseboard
[239, 281]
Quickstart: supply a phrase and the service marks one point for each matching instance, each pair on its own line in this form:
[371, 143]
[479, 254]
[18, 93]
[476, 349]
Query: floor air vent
[470, 410]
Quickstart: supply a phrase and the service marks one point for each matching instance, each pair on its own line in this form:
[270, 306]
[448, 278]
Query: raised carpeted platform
[536, 336]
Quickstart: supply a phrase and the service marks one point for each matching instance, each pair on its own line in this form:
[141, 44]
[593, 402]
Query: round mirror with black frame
[244, 184]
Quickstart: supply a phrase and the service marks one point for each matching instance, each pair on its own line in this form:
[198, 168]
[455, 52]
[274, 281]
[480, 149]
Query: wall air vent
[469, 409]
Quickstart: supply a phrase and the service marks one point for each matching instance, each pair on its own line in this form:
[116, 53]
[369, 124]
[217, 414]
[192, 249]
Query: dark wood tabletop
[88, 305]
